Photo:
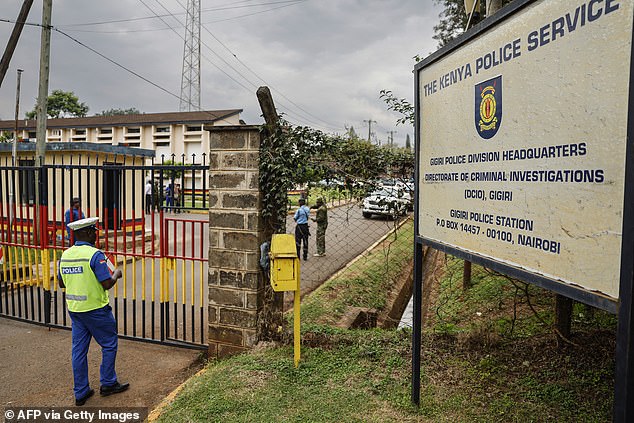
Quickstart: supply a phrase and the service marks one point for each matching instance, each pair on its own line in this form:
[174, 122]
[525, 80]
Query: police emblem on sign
[488, 107]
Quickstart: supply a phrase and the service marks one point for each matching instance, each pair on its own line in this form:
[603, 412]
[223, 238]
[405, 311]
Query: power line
[289, 110]
[328, 124]
[143, 18]
[205, 44]
[129, 31]
[124, 67]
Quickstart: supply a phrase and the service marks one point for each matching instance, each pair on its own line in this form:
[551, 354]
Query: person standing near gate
[73, 214]
[149, 201]
[301, 229]
[321, 217]
[83, 271]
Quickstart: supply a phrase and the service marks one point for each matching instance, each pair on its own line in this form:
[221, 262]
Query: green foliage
[173, 169]
[453, 21]
[119, 112]
[292, 156]
[364, 283]
[359, 379]
[5, 136]
[398, 105]
[62, 104]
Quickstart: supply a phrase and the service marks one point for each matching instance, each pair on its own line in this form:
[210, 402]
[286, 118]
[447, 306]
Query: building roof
[202, 117]
[6, 147]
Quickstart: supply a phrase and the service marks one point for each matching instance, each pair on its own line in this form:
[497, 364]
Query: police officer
[321, 218]
[83, 271]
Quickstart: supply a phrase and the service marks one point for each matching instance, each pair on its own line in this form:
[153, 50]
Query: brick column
[235, 235]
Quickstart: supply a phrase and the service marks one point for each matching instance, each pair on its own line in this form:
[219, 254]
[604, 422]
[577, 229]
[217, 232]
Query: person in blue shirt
[301, 229]
[84, 272]
[73, 214]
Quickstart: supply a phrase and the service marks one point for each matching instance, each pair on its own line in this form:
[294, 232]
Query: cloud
[325, 60]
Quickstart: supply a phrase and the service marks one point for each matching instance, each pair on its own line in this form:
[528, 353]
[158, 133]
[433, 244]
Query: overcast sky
[324, 60]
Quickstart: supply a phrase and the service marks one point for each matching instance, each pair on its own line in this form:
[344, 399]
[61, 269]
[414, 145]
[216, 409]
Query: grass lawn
[489, 355]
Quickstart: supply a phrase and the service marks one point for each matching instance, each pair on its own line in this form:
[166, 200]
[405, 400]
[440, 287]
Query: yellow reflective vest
[83, 291]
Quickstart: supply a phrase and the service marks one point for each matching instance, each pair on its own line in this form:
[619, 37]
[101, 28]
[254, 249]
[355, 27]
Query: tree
[62, 104]
[408, 143]
[119, 112]
[453, 20]
[399, 105]
[299, 155]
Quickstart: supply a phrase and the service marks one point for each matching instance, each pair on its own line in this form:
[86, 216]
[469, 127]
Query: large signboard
[522, 136]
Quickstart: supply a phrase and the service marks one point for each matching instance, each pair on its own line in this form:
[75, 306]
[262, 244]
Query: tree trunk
[492, 6]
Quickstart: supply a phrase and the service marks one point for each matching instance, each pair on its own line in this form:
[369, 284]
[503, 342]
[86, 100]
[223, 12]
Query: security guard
[83, 271]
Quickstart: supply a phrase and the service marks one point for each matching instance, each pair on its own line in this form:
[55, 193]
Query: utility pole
[15, 153]
[392, 137]
[13, 39]
[369, 127]
[17, 114]
[42, 97]
[42, 103]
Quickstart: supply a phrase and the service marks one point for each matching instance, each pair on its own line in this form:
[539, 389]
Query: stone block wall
[235, 235]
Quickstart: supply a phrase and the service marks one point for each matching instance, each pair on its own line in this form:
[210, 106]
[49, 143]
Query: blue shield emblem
[488, 107]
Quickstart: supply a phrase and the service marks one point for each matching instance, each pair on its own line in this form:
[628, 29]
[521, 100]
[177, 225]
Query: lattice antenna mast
[190, 80]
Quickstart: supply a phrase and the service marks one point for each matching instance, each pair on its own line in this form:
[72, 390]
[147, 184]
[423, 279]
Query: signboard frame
[623, 305]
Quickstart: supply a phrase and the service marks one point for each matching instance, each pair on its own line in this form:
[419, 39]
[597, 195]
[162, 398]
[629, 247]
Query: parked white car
[386, 201]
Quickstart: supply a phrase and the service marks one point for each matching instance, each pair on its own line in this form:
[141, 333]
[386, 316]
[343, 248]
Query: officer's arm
[109, 283]
[59, 278]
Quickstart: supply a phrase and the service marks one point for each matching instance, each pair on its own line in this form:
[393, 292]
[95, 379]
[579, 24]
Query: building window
[107, 131]
[193, 128]
[162, 144]
[162, 129]
[80, 132]
[32, 135]
[133, 130]
[27, 181]
[56, 132]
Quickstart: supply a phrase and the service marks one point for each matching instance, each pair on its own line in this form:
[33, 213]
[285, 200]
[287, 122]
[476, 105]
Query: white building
[175, 133]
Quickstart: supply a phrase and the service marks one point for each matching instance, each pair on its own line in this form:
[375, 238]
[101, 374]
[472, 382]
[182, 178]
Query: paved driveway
[35, 369]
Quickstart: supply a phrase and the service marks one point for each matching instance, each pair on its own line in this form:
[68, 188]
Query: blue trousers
[101, 325]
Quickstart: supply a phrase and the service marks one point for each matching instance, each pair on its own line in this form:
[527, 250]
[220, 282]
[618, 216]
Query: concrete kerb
[156, 412]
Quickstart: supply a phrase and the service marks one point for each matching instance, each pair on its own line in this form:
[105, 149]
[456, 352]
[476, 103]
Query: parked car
[386, 201]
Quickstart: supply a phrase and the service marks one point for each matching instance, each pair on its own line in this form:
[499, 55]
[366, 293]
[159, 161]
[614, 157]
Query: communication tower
[190, 80]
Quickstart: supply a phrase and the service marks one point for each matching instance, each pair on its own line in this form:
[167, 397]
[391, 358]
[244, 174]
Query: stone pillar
[235, 235]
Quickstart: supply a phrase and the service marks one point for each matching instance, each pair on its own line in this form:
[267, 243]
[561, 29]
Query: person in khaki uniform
[321, 217]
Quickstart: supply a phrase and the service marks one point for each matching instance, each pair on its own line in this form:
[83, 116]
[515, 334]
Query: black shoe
[117, 388]
[82, 401]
